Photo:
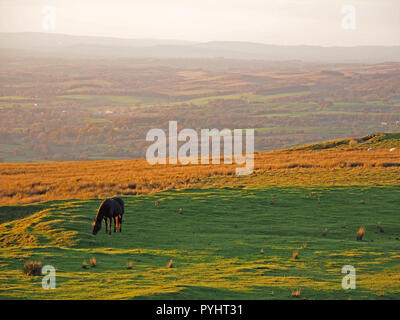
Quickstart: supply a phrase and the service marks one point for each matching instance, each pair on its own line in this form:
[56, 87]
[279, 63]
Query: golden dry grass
[33, 182]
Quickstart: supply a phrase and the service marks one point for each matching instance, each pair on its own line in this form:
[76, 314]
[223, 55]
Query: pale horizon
[283, 22]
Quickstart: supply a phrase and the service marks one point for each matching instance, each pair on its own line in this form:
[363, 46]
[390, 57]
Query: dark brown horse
[111, 210]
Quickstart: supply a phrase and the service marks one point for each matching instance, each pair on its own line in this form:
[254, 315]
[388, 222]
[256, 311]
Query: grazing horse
[111, 209]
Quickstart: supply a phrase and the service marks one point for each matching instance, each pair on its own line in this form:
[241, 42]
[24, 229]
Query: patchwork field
[80, 110]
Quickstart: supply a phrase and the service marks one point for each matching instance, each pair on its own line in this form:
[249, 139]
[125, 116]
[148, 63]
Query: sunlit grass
[214, 246]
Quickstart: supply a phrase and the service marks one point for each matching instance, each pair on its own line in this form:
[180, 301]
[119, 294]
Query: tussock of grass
[272, 200]
[379, 227]
[170, 264]
[85, 264]
[129, 265]
[360, 233]
[93, 262]
[32, 268]
[296, 293]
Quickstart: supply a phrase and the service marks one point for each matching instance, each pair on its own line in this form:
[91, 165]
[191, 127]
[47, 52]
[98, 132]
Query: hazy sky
[313, 22]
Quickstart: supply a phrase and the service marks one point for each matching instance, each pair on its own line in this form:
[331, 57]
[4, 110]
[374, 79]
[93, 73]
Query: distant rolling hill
[62, 45]
[372, 141]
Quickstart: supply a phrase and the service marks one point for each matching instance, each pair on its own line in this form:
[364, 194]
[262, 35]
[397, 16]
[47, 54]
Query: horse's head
[96, 227]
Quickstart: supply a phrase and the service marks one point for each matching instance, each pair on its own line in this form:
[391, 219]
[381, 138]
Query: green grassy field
[215, 245]
[111, 99]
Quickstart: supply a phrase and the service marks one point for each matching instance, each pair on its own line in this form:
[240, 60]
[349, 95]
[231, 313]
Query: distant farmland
[100, 110]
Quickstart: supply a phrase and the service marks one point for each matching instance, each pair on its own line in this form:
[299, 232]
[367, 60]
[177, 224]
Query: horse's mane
[100, 212]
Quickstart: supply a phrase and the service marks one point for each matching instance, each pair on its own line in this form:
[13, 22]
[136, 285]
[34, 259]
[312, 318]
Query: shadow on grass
[10, 213]
[194, 292]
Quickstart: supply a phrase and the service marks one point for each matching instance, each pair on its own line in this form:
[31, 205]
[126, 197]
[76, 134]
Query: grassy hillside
[235, 238]
[215, 246]
[373, 141]
[323, 164]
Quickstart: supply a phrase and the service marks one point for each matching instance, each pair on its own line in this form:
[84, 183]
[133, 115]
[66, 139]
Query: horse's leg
[110, 220]
[105, 222]
[120, 223]
[115, 223]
